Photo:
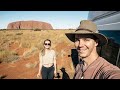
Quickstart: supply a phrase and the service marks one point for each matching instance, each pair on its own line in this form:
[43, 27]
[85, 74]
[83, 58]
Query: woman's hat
[87, 27]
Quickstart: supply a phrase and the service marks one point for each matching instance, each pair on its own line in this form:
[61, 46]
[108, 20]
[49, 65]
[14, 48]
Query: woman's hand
[38, 75]
[55, 72]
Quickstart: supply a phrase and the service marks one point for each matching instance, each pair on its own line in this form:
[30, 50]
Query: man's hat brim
[102, 39]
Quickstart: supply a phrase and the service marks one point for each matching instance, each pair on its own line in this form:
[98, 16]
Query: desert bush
[11, 58]
[19, 33]
[37, 29]
[8, 56]
[9, 34]
[39, 46]
[30, 52]
[26, 44]
[31, 65]
[4, 53]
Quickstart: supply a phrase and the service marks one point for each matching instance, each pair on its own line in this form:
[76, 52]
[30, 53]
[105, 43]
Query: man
[91, 66]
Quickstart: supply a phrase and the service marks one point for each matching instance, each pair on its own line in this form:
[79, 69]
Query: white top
[48, 58]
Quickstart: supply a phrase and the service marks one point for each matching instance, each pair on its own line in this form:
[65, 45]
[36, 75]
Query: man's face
[85, 45]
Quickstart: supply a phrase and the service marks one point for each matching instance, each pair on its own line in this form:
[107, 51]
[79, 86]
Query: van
[108, 23]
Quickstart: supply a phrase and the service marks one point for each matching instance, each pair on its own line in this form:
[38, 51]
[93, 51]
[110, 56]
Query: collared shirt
[98, 69]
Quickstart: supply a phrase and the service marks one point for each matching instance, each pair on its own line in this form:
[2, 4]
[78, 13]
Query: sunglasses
[47, 44]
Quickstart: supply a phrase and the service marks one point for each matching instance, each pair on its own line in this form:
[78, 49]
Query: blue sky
[58, 19]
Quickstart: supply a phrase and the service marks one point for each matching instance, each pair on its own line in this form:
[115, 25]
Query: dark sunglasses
[47, 44]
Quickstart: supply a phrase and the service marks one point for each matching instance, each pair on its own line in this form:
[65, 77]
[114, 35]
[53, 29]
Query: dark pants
[47, 72]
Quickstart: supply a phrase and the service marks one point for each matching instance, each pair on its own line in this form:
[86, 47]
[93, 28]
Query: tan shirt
[48, 58]
[99, 69]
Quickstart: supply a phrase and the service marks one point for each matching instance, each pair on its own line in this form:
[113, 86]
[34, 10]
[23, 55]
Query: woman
[47, 57]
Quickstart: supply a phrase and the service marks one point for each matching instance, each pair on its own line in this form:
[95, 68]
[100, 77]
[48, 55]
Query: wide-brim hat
[87, 27]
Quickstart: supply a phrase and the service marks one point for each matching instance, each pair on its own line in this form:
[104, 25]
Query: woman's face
[47, 44]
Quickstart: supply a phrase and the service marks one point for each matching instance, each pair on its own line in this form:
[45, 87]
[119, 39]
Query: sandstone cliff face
[29, 25]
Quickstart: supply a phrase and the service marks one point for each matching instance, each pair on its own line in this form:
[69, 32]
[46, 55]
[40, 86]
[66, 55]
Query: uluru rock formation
[29, 25]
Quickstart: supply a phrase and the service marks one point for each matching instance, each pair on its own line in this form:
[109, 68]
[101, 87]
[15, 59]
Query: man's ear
[97, 42]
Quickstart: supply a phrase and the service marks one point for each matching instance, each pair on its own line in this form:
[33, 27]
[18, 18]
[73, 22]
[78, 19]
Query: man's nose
[81, 42]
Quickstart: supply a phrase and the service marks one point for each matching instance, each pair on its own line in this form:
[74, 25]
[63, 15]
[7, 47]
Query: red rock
[29, 25]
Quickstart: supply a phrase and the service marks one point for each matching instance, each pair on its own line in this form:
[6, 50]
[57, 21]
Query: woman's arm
[40, 65]
[55, 65]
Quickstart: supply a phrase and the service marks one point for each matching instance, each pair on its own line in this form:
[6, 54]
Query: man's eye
[76, 39]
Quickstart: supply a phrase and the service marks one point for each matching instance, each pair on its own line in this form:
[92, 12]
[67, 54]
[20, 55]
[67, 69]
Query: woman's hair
[43, 50]
[47, 40]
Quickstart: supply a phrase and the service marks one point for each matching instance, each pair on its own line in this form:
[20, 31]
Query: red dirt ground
[18, 69]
